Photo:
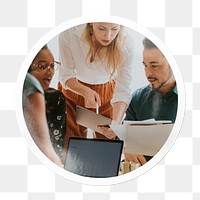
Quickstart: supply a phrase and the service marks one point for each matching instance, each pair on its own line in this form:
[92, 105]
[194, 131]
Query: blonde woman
[96, 63]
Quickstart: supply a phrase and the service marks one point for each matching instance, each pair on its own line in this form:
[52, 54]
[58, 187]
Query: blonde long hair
[112, 55]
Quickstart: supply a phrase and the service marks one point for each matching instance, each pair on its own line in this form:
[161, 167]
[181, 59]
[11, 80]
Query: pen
[97, 108]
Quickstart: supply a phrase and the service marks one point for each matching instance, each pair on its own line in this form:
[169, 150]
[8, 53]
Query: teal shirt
[147, 103]
[31, 85]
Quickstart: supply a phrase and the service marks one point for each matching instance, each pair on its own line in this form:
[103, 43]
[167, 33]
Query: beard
[167, 81]
[163, 82]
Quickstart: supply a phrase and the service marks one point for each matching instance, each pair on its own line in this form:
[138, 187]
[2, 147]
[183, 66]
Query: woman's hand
[91, 98]
[108, 132]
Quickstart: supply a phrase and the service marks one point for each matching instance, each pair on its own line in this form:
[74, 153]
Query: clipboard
[90, 119]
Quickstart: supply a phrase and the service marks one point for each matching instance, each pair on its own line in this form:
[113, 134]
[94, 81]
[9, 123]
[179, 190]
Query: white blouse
[73, 52]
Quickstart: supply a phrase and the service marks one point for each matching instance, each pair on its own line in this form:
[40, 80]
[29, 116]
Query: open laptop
[97, 158]
[90, 119]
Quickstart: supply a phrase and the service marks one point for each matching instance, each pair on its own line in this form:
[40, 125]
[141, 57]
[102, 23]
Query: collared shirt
[73, 52]
[147, 103]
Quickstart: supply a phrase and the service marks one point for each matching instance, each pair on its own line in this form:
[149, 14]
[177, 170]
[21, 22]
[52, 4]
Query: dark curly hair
[44, 47]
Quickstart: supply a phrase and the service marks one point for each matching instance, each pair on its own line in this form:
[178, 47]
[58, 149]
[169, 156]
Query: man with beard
[159, 99]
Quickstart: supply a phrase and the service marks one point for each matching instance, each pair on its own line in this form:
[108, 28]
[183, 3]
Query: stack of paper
[143, 137]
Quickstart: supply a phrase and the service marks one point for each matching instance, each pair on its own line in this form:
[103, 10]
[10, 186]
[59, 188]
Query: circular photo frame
[140, 32]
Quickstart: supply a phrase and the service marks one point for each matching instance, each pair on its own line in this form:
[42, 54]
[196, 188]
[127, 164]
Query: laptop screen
[93, 157]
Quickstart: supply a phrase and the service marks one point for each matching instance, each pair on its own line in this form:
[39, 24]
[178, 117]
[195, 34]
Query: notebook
[90, 119]
[96, 158]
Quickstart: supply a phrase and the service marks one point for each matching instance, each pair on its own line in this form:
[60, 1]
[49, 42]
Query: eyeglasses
[55, 65]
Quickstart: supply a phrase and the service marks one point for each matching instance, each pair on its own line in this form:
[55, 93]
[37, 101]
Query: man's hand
[135, 158]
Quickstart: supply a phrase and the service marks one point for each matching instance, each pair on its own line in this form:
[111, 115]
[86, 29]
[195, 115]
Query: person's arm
[119, 108]
[89, 95]
[122, 93]
[35, 117]
[136, 158]
[68, 72]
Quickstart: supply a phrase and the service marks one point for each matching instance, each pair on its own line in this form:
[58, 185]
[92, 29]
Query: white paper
[147, 122]
[121, 131]
[147, 139]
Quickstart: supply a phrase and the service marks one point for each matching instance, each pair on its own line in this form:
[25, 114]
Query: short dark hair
[148, 44]
[44, 47]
